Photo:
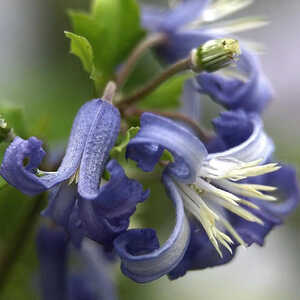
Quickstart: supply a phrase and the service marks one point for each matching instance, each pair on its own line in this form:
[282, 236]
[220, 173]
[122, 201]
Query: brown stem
[203, 135]
[149, 42]
[109, 92]
[181, 65]
[16, 246]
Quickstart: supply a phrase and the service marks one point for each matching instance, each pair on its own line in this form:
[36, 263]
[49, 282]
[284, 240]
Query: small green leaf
[112, 28]
[82, 48]
[167, 156]
[120, 26]
[131, 133]
[167, 95]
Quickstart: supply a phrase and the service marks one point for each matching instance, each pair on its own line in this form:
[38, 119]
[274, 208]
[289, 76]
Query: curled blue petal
[233, 93]
[146, 155]
[23, 176]
[52, 253]
[162, 133]
[101, 138]
[252, 232]
[106, 216]
[271, 213]
[201, 253]
[14, 170]
[99, 228]
[143, 261]
[285, 179]
[120, 195]
[258, 146]
[229, 122]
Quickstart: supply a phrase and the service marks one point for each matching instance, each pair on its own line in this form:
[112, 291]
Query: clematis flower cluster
[227, 189]
[224, 195]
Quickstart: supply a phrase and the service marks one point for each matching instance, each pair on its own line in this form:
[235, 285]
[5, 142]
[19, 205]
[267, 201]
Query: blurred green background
[39, 74]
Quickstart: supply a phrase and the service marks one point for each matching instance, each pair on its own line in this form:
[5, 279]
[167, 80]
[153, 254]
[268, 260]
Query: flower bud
[214, 55]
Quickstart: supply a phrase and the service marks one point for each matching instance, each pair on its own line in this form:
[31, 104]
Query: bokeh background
[38, 74]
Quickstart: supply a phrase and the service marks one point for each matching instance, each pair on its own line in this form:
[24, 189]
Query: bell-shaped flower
[227, 197]
[77, 201]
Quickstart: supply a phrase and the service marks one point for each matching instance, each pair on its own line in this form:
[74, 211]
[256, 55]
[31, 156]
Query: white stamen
[233, 232]
[248, 190]
[215, 175]
[74, 178]
[238, 210]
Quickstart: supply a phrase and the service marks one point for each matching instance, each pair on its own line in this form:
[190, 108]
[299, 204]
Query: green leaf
[166, 96]
[82, 48]
[131, 133]
[112, 28]
[121, 30]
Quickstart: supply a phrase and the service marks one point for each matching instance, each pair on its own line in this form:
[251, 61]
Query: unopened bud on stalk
[215, 55]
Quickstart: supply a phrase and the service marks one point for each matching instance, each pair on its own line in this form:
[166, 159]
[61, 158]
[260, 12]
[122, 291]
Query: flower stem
[149, 42]
[11, 253]
[109, 92]
[181, 65]
[203, 134]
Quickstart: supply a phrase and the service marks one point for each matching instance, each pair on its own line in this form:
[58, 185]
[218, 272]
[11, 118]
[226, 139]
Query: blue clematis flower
[187, 26]
[223, 195]
[58, 281]
[76, 200]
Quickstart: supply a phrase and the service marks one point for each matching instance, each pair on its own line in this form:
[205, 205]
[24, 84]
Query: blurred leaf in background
[105, 36]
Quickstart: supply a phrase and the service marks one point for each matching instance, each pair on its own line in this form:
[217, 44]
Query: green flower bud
[215, 55]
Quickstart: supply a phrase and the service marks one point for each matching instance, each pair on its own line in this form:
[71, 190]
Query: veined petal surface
[250, 94]
[162, 133]
[257, 147]
[142, 258]
[106, 216]
[23, 177]
[101, 138]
